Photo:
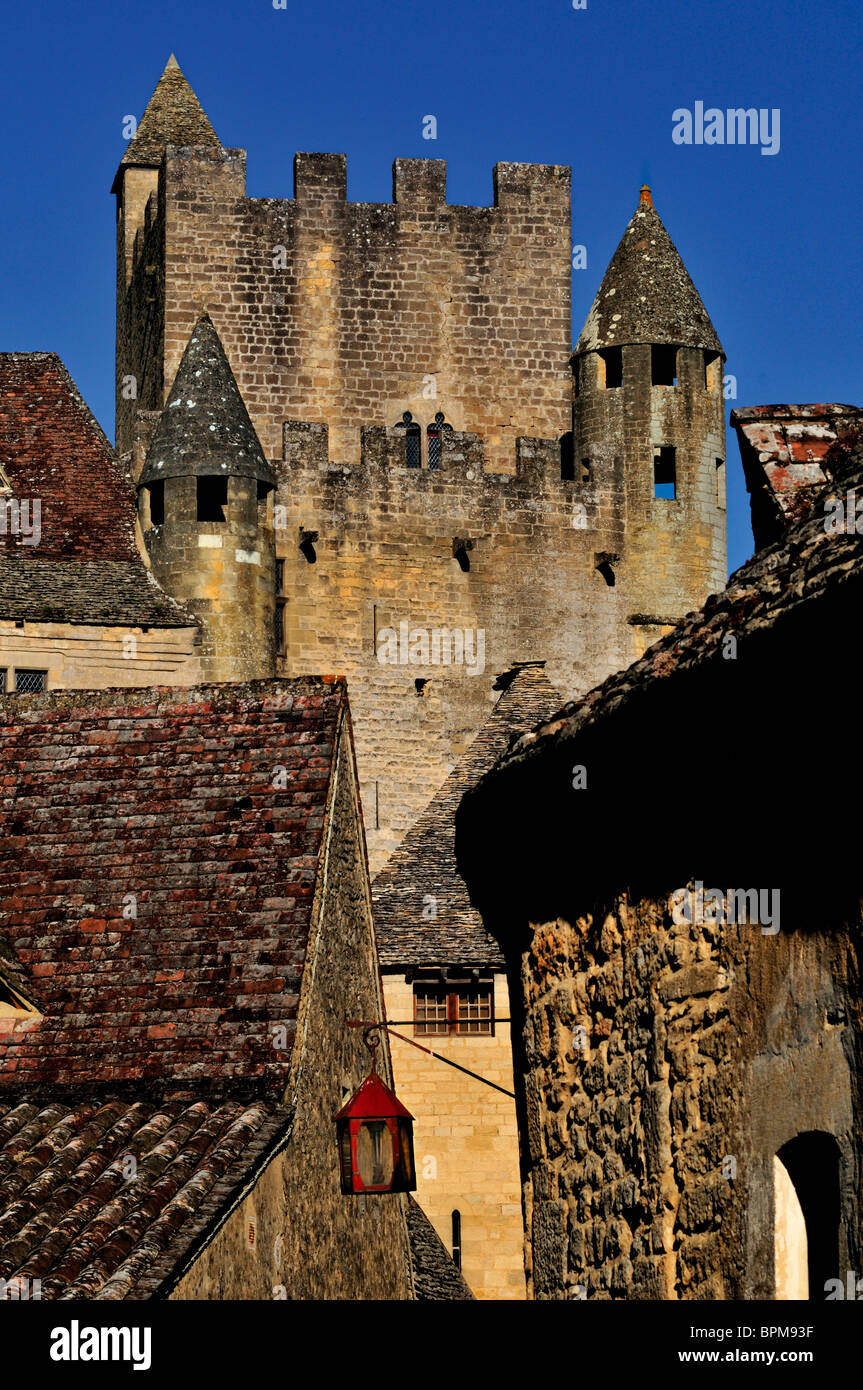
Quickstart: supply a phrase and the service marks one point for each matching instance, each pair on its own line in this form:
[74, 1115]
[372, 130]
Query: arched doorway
[806, 1215]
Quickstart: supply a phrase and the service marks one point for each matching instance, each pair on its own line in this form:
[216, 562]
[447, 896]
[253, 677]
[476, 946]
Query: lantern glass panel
[406, 1155]
[375, 1153]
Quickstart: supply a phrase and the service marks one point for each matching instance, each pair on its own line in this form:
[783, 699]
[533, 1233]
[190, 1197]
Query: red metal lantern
[375, 1136]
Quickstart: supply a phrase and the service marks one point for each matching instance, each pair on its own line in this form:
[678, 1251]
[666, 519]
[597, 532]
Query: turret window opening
[157, 503]
[720, 483]
[663, 365]
[711, 371]
[212, 497]
[612, 359]
[665, 472]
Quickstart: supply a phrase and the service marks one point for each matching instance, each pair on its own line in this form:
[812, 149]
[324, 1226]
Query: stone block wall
[352, 313]
[650, 1138]
[384, 556]
[465, 1141]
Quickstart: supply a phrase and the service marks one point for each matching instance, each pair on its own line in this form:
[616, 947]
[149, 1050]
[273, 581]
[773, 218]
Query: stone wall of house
[295, 1235]
[649, 1138]
[466, 1141]
[92, 657]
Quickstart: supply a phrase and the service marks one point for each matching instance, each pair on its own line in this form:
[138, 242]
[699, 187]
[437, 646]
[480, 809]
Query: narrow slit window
[212, 493]
[281, 605]
[720, 483]
[663, 365]
[456, 1239]
[585, 470]
[665, 472]
[613, 361]
[567, 457]
[157, 503]
[434, 439]
[413, 439]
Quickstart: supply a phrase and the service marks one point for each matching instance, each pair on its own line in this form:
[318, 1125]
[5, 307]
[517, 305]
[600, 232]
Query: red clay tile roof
[108, 1199]
[154, 883]
[85, 566]
[52, 448]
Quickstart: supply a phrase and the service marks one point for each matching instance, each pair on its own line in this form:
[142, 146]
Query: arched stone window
[413, 439]
[434, 436]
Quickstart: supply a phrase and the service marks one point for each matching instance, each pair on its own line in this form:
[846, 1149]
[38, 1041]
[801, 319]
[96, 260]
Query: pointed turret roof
[424, 864]
[646, 295]
[205, 426]
[174, 116]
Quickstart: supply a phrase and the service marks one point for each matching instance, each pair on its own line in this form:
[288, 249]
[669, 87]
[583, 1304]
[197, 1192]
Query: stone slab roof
[96, 592]
[155, 884]
[424, 864]
[84, 566]
[105, 1197]
[205, 426]
[173, 116]
[436, 1277]
[646, 295]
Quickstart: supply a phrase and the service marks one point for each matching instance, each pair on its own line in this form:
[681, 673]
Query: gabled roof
[104, 1198]
[173, 116]
[75, 559]
[205, 426]
[423, 868]
[646, 295]
[156, 883]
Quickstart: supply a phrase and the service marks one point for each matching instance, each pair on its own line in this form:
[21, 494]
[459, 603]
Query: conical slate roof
[205, 426]
[174, 116]
[646, 295]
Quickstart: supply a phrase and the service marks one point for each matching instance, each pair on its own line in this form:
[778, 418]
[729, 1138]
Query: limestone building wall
[466, 1141]
[308, 1241]
[649, 1170]
[383, 555]
[94, 657]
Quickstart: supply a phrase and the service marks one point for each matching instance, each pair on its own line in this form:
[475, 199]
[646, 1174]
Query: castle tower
[648, 411]
[173, 116]
[206, 513]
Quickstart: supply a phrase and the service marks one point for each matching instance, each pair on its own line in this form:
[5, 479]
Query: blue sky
[772, 241]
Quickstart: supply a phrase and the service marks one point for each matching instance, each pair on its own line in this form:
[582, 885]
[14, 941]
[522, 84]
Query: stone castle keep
[356, 438]
[430, 452]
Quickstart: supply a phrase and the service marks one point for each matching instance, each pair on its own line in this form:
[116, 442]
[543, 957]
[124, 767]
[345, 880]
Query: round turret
[204, 500]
